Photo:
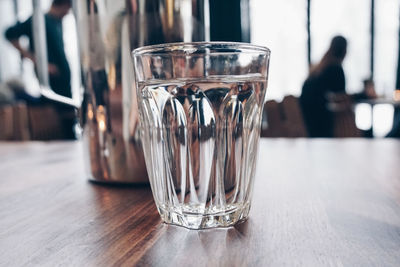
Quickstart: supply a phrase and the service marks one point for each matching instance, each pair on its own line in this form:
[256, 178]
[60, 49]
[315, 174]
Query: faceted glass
[200, 108]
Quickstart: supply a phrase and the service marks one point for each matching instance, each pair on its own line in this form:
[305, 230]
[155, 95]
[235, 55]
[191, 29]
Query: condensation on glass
[200, 106]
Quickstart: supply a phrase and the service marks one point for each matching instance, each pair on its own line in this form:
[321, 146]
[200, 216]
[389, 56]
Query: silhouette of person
[59, 71]
[326, 77]
[58, 67]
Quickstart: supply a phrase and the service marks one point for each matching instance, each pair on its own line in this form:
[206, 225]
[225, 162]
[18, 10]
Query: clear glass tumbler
[200, 107]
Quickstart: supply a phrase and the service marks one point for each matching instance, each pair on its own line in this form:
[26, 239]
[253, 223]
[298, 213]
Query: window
[386, 45]
[352, 20]
[9, 59]
[281, 26]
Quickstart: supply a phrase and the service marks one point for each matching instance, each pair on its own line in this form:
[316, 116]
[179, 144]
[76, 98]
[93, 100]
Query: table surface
[316, 203]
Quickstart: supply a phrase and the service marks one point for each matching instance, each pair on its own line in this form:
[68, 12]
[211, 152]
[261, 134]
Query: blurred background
[298, 32]
[12, 65]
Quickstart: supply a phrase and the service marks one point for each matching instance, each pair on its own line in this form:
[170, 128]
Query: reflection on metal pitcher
[108, 31]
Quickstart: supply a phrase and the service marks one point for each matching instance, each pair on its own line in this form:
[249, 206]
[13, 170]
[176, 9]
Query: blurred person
[395, 131]
[368, 91]
[325, 78]
[58, 67]
[14, 89]
[59, 71]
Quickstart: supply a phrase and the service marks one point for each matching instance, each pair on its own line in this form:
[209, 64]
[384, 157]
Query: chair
[20, 122]
[45, 123]
[294, 121]
[6, 122]
[343, 116]
[283, 119]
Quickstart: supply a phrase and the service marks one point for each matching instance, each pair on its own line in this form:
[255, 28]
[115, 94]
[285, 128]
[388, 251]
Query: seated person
[325, 78]
[368, 91]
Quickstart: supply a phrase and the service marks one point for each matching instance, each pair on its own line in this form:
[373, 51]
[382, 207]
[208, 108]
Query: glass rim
[152, 50]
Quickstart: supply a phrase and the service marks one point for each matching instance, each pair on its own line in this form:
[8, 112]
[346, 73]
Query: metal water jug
[108, 30]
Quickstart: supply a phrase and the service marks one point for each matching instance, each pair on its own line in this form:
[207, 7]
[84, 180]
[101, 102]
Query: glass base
[205, 221]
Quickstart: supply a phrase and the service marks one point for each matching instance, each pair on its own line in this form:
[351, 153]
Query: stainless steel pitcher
[108, 31]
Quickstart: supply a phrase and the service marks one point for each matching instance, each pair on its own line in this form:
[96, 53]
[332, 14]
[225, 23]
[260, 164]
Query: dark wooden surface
[316, 203]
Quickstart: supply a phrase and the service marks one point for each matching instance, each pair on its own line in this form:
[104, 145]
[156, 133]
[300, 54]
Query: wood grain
[316, 203]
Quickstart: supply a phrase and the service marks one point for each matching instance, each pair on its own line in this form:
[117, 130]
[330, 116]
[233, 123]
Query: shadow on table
[178, 246]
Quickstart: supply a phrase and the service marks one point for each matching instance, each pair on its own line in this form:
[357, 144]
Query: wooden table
[316, 203]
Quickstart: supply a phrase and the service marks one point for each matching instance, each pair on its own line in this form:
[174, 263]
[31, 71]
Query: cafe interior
[328, 129]
[298, 34]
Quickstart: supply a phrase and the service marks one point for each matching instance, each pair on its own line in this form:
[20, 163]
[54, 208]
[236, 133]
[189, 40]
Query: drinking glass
[200, 108]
